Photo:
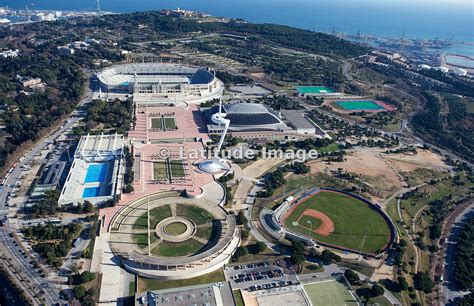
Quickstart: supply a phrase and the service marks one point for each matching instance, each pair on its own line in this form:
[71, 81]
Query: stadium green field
[177, 168]
[328, 293]
[160, 170]
[157, 123]
[313, 89]
[358, 105]
[352, 218]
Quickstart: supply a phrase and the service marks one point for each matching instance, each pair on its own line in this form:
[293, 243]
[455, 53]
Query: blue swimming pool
[96, 173]
[91, 192]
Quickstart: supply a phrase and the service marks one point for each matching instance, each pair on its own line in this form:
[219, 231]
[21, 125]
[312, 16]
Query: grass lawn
[172, 249]
[206, 232]
[142, 239]
[329, 148]
[358, 266]
[378, 300]
[156, 215]
[156, 123]
[198, 215]
[131, 288]
[267, 255]
[176, 228]
[328, 293]
[422, 175]
[170, 123]
[239, 301]
[351, 217]
[311, 268]
[393, 126]
[146, 284]
[159, 170]
[177, 168]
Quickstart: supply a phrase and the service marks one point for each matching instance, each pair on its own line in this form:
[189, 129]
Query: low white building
[10, 53]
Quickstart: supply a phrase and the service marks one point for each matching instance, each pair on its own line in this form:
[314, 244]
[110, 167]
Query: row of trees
[464, 269]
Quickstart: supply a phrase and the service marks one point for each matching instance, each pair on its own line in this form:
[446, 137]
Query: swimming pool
[359, 105]
[96, 173]
[91, 192]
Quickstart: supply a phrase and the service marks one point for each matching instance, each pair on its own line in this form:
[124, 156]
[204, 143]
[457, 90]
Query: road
[51, 292]
[449, 288]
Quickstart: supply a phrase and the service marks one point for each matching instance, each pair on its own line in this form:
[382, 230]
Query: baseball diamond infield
[341, 220]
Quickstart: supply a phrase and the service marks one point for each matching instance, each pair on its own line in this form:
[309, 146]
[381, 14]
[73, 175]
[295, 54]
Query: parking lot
[260, 276]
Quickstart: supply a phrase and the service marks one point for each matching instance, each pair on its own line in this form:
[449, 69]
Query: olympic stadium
[158, 83]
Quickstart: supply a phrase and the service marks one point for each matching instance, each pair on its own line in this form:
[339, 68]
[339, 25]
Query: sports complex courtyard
[168, 236]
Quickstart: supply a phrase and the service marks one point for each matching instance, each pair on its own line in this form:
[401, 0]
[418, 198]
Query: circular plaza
[167, 236]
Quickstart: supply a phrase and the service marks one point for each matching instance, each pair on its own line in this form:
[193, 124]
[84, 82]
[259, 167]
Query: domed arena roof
[213, 166]
[248, 117]
[246, 108]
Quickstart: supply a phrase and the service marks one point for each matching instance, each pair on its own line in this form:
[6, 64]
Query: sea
[421, 19]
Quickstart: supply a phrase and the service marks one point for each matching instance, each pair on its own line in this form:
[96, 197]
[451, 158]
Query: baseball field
[340, 220]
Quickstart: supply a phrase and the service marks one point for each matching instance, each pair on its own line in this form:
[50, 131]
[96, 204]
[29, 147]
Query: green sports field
[351, 217]
[313, 89]
[329, 293]
[358, 105]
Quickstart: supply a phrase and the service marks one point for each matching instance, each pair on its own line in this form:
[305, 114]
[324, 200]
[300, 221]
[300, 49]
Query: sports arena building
[258, 122]
[96, 172]
[158, 83]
